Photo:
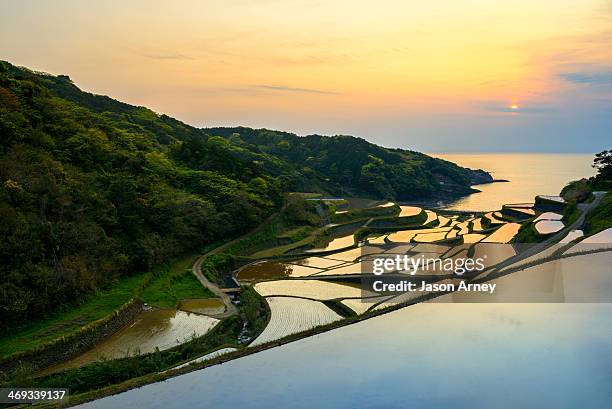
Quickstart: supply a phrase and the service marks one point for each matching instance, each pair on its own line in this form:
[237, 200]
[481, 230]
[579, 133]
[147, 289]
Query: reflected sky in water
[529, 175]
[425, 356]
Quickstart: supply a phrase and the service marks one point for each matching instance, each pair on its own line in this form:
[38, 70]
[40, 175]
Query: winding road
[230, 308]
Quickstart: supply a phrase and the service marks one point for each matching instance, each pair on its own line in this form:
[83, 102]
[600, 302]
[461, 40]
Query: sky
[434, 76]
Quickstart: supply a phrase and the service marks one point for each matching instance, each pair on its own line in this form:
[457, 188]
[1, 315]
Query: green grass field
[169, 284]
[72, 319]
[600, 218]
[175, 284]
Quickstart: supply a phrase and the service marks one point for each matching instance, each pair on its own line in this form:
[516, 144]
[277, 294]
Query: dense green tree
[93, 189]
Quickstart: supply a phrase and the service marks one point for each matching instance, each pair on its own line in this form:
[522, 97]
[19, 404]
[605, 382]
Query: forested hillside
[92, 189]
[355, 166]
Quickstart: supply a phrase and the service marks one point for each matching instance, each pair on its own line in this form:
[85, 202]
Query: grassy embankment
[89, 378]
[165, 289]
[162, 288]
[600, 218]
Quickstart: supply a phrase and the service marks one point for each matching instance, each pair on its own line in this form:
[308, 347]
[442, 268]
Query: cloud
[284, 88]
[595, 77]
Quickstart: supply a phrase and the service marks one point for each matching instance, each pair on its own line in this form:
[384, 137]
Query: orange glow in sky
[375, 69]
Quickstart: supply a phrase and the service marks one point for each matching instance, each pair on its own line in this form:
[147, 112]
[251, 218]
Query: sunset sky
[470, 75]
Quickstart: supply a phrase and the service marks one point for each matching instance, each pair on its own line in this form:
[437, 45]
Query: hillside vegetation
[93, 190]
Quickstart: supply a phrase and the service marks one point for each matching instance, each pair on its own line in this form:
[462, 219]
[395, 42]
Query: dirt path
[230, 308]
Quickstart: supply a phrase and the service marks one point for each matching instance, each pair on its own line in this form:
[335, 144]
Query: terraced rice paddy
[571, 236]
[314, 289]
[206, 357]
[493, 253]
[601, 240]
[269, 270]
[342, 270]
[492, 219]
[463, 227]
[431, 216]
[206, 306]
[400, 249]
[603, 237]
[429, 237]
[549, 216]
[430, 248]
[408, 211]
[520, 205]
[406, 236]
[525, 211]
[473, 237]
[338, 243]
[406, 297]
[293, 315]
[360, 306]
[477, 225]
[161, 329]
[377, 240]
[451, 234]
[348, 255]
[317, 262]
[548, 226]
[443, 221]
[557, 199]
[504, 234]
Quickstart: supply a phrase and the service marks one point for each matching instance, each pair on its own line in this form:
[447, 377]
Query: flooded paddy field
[292, 315]
[269, 270]
[380, 356]
[153, 329]
[548, 226]
[205, 306]
[313, 289]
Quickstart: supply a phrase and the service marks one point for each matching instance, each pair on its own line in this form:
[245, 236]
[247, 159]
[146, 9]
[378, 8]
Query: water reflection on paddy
[205, 306]
[338, 243]
[377, 240]
[291, 315]
[503, 234]
[526, 212]
[354, 268]
[268, 270]
[361, 305]
[429, 237]
[549, 216]
[317, 262]
[431, 216]
[548, 226]
[314, 289]
[473, 237]
[407, 211]
[161, 329]
[348, 255]
[443, 221]
[408, 235]
[493, 253]
[571, 236]
[477, 225]
[471, 355]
